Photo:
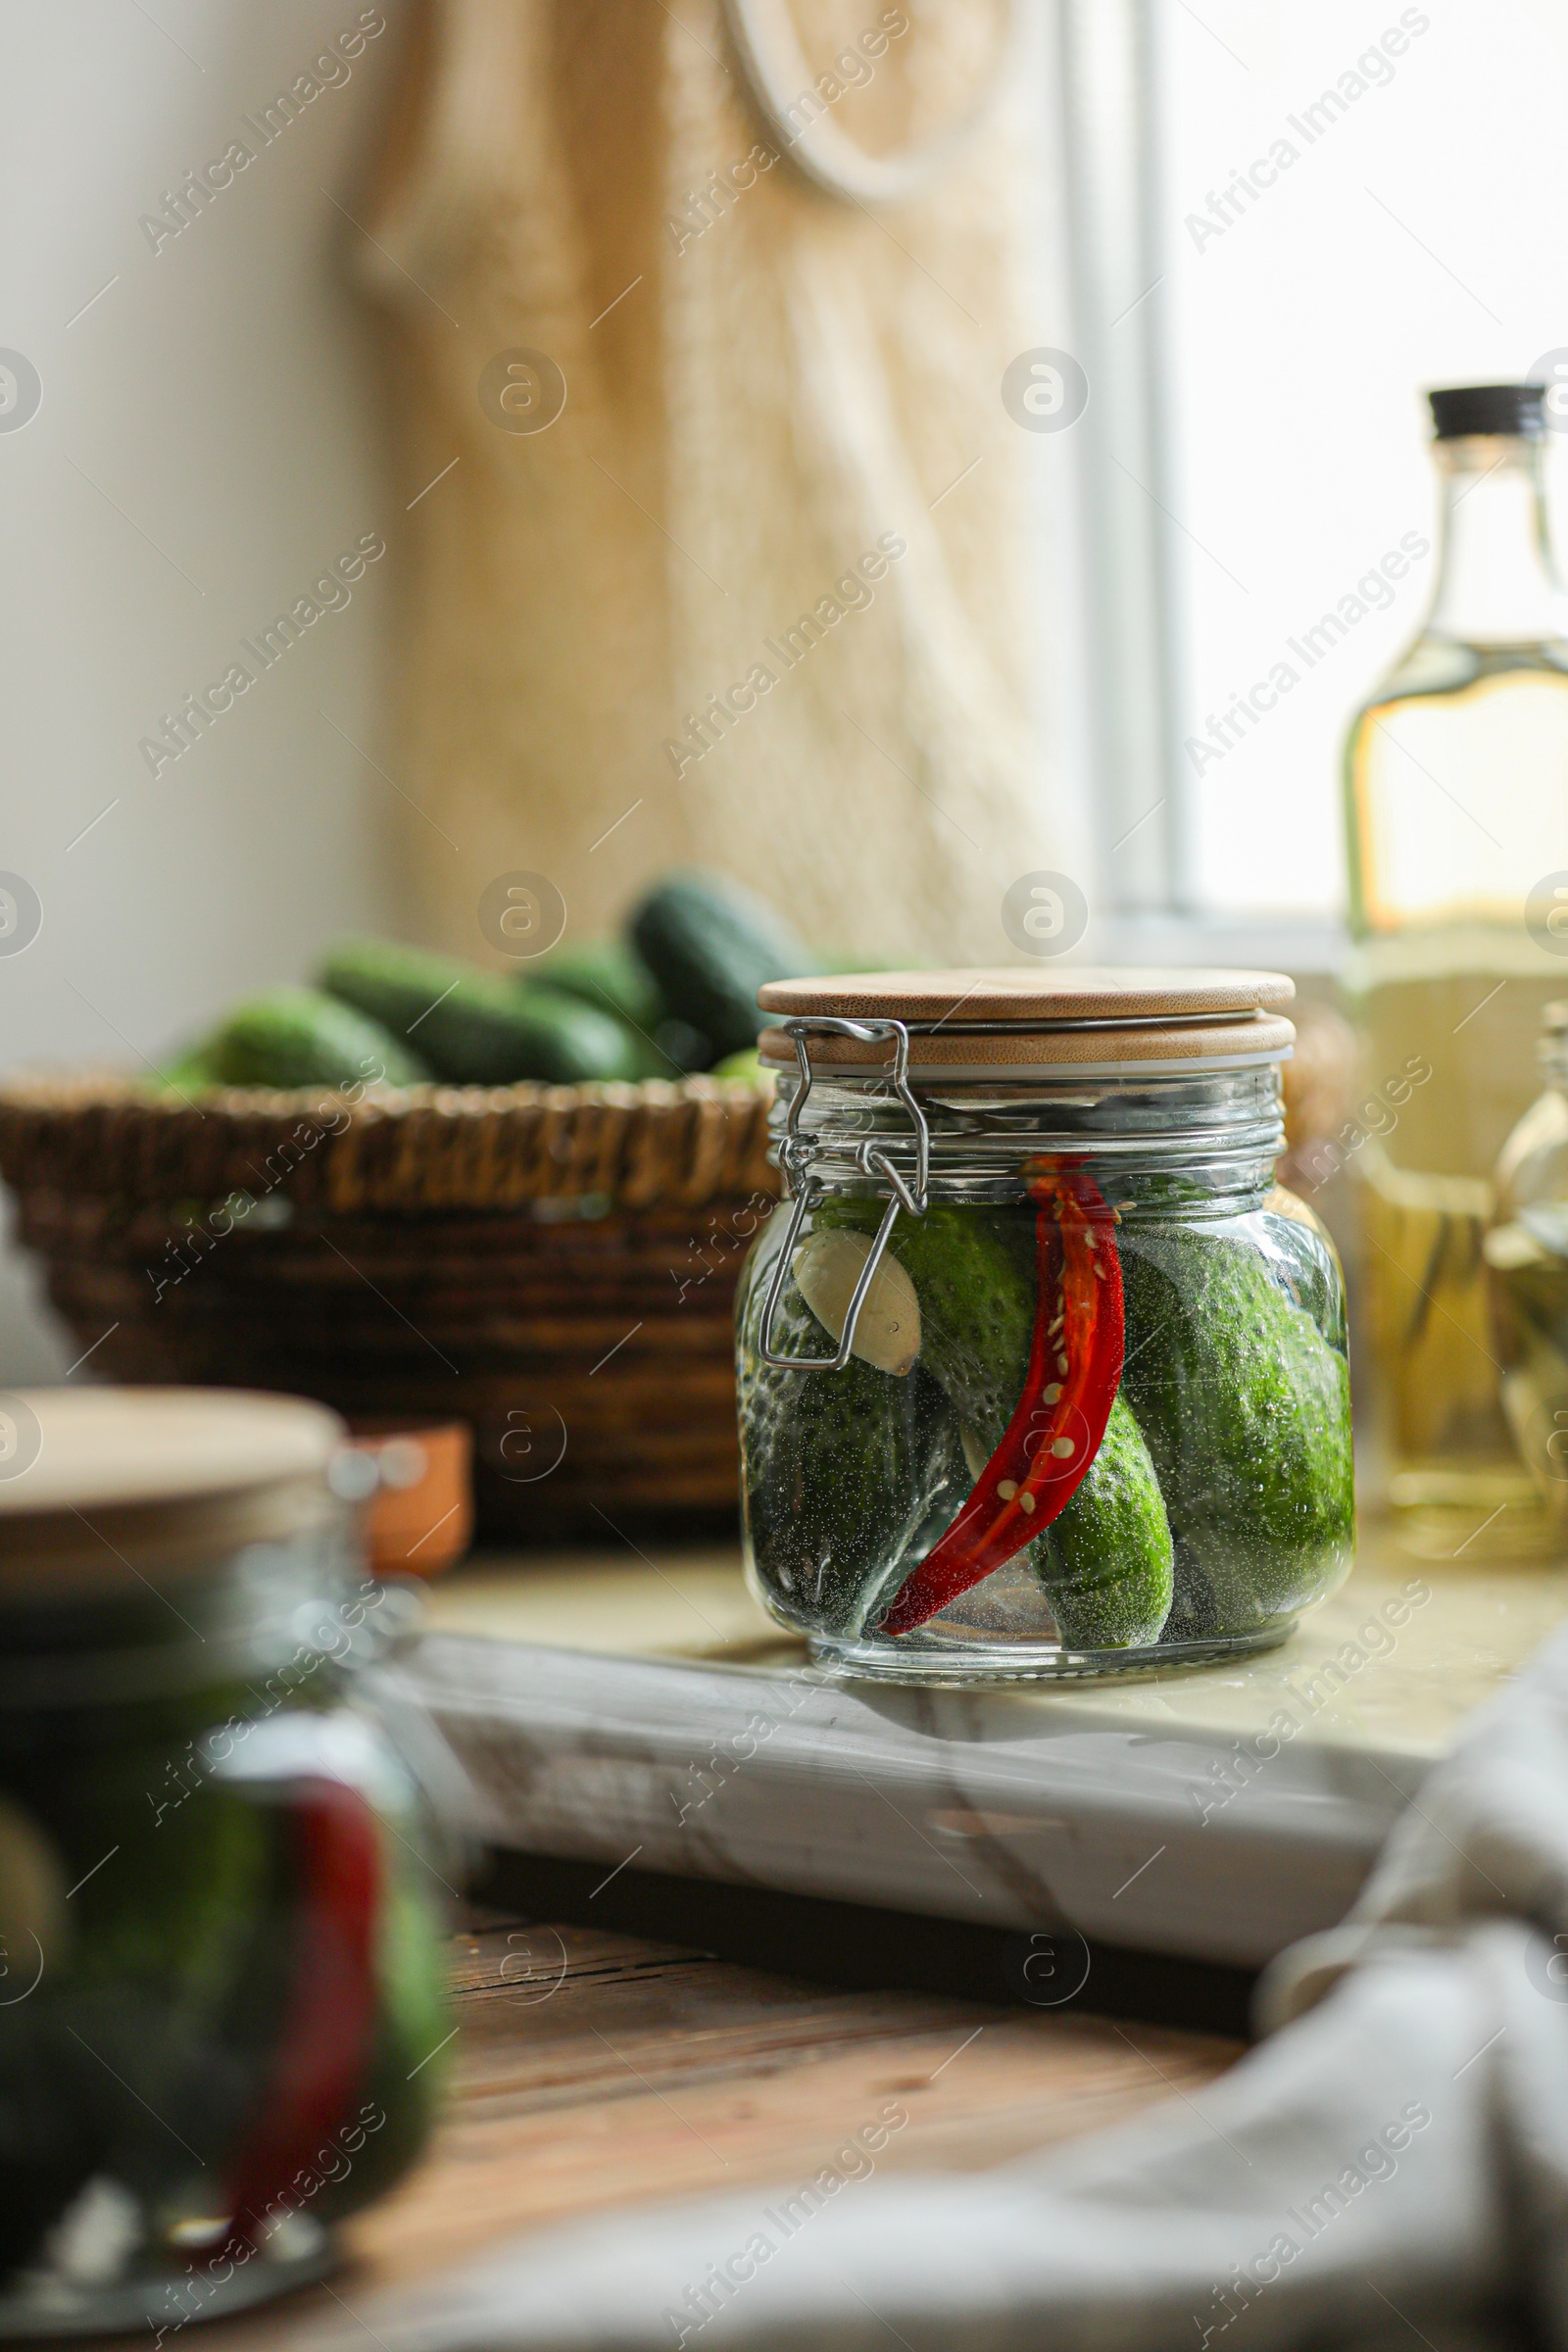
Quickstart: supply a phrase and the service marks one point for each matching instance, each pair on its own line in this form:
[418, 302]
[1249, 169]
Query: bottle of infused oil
[1456, 790]
[1527, 1261]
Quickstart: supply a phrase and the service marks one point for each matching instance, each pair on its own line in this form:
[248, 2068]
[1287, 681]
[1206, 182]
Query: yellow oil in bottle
[1456, 790]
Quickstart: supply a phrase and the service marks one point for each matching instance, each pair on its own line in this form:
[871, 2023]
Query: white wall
[207, 443]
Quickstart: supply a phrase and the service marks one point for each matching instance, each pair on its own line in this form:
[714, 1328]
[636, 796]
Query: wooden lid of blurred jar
[1082, 1016]
[98, 1481]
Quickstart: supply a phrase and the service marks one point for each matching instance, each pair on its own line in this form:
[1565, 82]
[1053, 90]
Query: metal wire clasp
[798, 1153]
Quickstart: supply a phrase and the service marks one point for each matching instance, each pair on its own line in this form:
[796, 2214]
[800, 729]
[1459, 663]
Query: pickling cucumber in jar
[845, 1472]
[1104, 1564]
[1244, 1393]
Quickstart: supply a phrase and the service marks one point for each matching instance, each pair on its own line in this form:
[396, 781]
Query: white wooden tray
[624, 1707]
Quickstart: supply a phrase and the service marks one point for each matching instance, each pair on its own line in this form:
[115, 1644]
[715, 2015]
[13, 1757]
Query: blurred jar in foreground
[219, 1970]
[1456, 791]
[1527, 1262]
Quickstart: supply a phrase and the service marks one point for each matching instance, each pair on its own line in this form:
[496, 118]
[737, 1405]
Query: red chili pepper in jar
[1075, 1361]
[324, 2040]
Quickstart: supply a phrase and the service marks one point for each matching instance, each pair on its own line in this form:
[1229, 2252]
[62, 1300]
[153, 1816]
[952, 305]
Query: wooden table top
[592, 2070]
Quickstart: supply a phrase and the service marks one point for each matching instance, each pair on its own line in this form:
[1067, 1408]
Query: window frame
[1147, 907]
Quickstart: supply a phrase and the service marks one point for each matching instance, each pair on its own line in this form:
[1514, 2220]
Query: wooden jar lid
[1081, 1015]
[100, 1486]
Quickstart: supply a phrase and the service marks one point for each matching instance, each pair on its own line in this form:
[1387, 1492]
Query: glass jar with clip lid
[1040, 1372]
[220, 1973]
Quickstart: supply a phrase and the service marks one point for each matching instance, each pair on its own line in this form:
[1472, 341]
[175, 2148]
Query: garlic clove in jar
[887, 1332]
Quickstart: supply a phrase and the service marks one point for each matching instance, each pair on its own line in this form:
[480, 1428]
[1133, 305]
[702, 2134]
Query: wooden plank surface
[593, 2069]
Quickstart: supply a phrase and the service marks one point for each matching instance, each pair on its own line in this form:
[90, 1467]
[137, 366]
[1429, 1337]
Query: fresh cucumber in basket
[747, 1064]
[475, 1028]
[290, 1037]
[609, 975]
[190, 1072]
[711, 946]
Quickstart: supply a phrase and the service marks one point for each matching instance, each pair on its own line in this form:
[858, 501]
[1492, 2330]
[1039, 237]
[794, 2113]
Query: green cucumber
[975, 1271]
[849, 1476]
[609, 975]
[475, 1028]
[404, 2080]
[710, 945]
[290, 1037]
[747, 1064]
[189, 1073]
[1246, 1408]
[1106, 1563]
[169, 1996]
[679, 1050]
[1117, 1517]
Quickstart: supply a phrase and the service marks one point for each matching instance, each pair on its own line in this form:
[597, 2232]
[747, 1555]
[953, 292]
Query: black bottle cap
[1465, 408]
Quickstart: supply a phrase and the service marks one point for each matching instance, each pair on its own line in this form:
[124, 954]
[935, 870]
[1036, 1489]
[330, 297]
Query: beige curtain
[782, 409]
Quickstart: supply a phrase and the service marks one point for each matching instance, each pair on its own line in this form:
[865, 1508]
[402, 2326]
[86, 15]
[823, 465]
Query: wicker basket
[555, 1265]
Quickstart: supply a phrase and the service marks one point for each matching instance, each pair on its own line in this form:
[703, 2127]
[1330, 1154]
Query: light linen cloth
[594, 675]
[1388, 2168]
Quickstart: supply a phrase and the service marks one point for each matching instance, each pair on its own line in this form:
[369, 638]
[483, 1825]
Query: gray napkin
[1388, 2168]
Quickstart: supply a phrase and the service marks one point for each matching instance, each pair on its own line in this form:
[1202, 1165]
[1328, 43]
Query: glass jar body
[1217, 1502]
[222, 1954]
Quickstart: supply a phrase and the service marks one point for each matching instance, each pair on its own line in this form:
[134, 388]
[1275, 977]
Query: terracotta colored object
[418, 1520]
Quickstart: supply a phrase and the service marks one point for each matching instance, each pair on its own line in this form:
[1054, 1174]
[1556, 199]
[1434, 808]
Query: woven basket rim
[398, 1148]
[65, 1091]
